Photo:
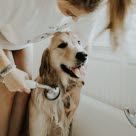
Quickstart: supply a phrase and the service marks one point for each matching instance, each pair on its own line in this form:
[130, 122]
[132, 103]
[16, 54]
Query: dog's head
[64, 55]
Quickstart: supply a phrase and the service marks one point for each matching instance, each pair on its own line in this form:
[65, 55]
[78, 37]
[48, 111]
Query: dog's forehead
[59, 37]
[64, 36]
[69, 36]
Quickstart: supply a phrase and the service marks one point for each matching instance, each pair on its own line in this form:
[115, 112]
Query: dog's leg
[37, 122]
[71, 130]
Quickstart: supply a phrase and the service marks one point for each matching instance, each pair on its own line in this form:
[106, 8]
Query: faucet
[131, 117]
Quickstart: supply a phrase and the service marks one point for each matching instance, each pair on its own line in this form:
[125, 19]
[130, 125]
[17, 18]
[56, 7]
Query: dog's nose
[81, 56]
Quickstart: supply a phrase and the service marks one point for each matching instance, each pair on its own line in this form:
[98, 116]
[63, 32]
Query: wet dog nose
[81, 56]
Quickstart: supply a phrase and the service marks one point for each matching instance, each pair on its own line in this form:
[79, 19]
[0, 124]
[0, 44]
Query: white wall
[94, 118]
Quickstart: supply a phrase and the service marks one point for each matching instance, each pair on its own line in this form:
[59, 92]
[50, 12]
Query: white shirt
[24, 22]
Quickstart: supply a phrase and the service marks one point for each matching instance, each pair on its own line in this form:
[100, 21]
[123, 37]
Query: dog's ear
[45, 63]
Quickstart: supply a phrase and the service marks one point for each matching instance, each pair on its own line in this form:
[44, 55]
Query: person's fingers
[23, 74]
[20, 90]
[11, 90]
[27, 90]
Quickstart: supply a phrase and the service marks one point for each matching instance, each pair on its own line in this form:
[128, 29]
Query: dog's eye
[79, 42]
[62, 45]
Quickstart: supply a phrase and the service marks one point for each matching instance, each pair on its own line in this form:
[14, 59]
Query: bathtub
[94, 118]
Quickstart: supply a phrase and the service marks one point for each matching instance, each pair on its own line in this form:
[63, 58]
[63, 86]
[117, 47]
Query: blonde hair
[87, 5]
[117, 12]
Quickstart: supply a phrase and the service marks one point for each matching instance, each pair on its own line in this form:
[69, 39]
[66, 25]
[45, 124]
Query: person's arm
[4, 61]
[15, 79]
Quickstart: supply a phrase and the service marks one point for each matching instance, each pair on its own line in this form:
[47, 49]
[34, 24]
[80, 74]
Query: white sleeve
[90, 26]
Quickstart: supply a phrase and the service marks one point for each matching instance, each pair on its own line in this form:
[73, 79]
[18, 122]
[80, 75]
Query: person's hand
[74, 95]
[15, 81]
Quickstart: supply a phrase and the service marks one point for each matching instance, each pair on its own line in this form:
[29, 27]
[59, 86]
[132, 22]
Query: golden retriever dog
[59, 61]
